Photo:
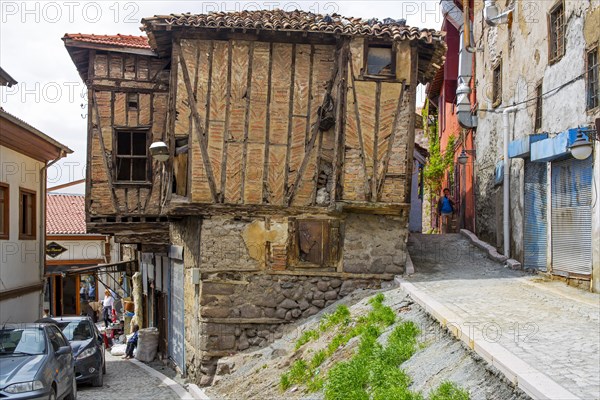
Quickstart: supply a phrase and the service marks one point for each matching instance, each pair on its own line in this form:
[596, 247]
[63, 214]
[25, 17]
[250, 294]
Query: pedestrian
[107, 306]
[132, 343]
[445, 209]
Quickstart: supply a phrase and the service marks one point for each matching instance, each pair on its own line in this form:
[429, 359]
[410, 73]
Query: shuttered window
[315, 242]
[27, 217]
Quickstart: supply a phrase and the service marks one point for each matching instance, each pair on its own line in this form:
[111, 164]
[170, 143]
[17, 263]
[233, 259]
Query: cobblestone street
[124, 380]
[552, 327]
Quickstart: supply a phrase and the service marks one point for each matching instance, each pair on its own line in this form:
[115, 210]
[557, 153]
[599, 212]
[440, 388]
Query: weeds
[306, 337]
[340, 316]
[448, 391]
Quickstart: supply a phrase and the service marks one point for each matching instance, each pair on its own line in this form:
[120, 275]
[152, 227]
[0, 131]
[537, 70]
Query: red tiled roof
[138, 42]
[65, 214]
[279, 20]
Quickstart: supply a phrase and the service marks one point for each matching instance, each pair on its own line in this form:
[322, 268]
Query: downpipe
[506, 185]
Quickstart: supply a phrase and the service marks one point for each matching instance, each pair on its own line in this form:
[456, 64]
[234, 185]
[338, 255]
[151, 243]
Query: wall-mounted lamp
[463, 158]
[582, 147]
[160, 151]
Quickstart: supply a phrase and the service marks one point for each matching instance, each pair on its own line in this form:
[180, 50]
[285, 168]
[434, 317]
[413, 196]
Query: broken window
[380, 60]
[132, 156]
[538, 107]
[592, 82]
[26, 214]
[556, 26]
[316, 242]
[497, 85]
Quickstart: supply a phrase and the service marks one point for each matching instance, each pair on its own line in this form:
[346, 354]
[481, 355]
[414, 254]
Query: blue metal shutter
[535, 241]
[572, 217]
[176, 317]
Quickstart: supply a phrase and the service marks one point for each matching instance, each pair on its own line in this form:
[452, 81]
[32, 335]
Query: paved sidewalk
[126, 381]
[553, 328]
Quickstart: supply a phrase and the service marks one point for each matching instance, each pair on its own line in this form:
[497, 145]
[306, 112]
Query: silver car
[36, 362]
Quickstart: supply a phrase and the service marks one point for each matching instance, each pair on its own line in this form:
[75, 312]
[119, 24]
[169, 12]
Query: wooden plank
[107, 166]
[200, 133]
[226, 130]
[376, 139]
[247, 119]
[391, 141]
[339, 140]
[290, 121]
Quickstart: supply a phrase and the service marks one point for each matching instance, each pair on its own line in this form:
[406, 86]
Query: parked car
[88, 347]
[36, 362]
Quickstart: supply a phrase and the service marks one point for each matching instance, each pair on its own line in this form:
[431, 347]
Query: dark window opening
[132, 156]
[132, 101]
[557, 32]
[538, 107]
[180, 167]
[380, 60]
[27, 217]
[593, 83]
[497, 85]
[4, 211]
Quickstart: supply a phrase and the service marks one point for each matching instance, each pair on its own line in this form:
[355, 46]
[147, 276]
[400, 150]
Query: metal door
[176, 316]
[535, 240]
[572, 217]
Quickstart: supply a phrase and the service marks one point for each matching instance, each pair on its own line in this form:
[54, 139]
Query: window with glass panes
[131, 158]
[593, 83]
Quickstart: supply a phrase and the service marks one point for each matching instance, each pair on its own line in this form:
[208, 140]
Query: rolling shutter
[572, 217]
[535, 241]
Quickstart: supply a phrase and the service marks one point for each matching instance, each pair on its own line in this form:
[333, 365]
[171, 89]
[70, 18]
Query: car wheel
[52, 394]
[73, 394]
[104, 367]
[98, 380]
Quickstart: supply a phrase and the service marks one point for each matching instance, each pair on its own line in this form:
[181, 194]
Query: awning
[555, 148]
[520, 148]
[122, 266]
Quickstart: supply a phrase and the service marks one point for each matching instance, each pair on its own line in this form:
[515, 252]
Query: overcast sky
[49, 93]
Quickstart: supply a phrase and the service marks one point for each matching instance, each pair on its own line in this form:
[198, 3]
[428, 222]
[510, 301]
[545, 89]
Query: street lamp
[160, 151]
[581, 148]
[463, 158]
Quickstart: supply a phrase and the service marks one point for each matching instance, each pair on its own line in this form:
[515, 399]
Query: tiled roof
[138, 42]
[65, 214]
[297, 21]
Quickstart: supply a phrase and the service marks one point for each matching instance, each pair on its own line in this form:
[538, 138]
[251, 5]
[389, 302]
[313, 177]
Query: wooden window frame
[5, 234]
[365, 71]
[595, 49]
[539, 107]
[33, 235]
[497, 84]
[552, 33]
[331, 251]
[115, 156]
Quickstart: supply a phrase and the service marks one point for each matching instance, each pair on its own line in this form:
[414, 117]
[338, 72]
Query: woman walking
[107, 304]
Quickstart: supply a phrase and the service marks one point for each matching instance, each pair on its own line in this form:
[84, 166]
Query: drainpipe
[462, 23]
[42, 224]
[506, 185]
[492, 16]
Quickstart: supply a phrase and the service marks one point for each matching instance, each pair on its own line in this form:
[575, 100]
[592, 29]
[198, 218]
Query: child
[132, 343]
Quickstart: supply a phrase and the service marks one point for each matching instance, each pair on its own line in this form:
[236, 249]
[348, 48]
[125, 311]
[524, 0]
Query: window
[56, 338]
[497, 85]
[132, 156]
[381, 60]
[27, 220]
[4, 212]
[538, 107]
[556, 22]
[593, 83]
[132, 101]
[316, 242]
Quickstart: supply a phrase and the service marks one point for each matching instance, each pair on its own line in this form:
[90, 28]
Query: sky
[50, 94]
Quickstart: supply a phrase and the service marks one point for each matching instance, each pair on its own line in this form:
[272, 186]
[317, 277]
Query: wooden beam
[266, 195]
[226, 129]
[76, 262]
[200, 132]
[247, 120]
[21, 291]
[360, 137]
[376, 140]
[364, 207]
[340, 114]
[290, 120]
[391, 140]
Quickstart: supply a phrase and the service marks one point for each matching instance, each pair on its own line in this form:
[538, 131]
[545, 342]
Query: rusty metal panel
[572, 217]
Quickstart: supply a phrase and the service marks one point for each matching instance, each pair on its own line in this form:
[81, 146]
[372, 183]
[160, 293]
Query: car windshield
[22, 341]
[75, 330]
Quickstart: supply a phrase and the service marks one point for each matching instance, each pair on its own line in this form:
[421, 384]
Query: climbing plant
[438, 162]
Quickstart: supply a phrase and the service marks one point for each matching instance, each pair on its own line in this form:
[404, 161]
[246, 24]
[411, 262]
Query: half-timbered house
[287, 186]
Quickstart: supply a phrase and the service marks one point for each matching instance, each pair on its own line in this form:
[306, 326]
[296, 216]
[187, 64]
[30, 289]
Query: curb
[170, 383]
[491, 250]
[531, 381]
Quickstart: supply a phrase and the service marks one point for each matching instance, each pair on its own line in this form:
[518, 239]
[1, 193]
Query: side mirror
[63, 350]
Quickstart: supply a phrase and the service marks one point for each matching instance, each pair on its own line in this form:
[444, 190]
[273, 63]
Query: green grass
[373, 373]
[448, 391]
